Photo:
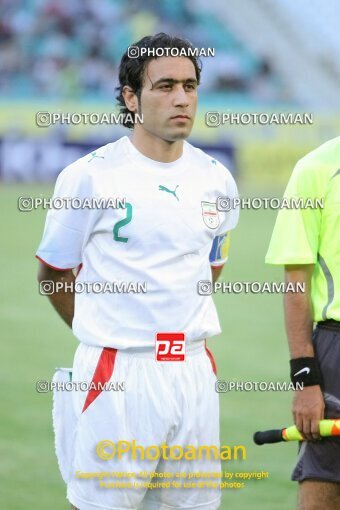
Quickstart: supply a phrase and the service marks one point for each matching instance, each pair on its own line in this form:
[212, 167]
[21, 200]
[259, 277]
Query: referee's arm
[308, 403]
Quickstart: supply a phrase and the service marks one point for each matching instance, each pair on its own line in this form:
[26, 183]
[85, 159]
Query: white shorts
[171, 403]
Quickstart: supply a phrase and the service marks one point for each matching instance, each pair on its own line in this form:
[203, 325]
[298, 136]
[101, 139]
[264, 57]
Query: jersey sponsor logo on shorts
[170, 346]
[173, 192]
[210, 214]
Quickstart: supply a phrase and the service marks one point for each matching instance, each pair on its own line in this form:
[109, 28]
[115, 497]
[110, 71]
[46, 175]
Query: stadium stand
[68, 49]
[300, 40]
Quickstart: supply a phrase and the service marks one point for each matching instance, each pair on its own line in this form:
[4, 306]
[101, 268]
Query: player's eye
[165, 86]
[190, 86]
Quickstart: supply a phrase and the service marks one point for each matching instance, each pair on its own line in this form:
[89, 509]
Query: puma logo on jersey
[173, 192]
[94, 155]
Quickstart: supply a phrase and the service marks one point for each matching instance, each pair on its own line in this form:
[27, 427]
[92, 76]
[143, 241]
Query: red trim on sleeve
[53, 267]
[216, 267]
[211, 357]
[102, 374]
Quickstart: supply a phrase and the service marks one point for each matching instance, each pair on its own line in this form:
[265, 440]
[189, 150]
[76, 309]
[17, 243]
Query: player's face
[169, 98]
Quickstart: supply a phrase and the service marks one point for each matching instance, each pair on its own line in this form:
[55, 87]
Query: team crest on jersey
[210, 214]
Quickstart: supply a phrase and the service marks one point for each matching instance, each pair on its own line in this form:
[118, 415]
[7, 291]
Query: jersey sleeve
[220, 250]
[230, 217]
[295, 238]
[65, 228]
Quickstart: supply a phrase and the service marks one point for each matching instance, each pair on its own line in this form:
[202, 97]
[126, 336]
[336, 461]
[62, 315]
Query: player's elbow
[47, 273]
[41, 272]
[216, 272]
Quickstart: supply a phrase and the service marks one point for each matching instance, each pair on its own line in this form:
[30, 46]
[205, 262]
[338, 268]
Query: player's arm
[308, 403]
[63, 300]
[216, 273]
[65, 233]
[220, 248]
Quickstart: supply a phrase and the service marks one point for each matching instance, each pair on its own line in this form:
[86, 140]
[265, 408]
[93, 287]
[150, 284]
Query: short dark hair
[131, 70]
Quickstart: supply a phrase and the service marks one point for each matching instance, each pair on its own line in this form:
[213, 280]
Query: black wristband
[305, 371]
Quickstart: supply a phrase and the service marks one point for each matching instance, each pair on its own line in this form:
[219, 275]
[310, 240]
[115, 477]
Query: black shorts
[321, 459]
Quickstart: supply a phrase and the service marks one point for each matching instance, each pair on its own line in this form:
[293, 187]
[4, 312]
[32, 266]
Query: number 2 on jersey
[122, 223]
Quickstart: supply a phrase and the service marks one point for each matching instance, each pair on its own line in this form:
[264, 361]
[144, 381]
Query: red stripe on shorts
[211, 357]
[102, 374]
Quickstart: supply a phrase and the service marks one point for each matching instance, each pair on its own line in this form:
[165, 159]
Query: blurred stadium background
[62, 56]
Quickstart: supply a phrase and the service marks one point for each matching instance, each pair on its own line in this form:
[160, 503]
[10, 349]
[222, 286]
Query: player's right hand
[308, 409]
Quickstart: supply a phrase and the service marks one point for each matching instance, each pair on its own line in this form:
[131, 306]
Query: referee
[307, 242]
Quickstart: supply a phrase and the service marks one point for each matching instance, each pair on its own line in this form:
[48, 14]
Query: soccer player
[170, 235]
[307, 242]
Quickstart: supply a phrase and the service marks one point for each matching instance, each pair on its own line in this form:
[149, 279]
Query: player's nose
[180, 97]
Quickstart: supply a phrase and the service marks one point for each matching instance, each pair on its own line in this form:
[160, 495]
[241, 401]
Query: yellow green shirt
[311, 235]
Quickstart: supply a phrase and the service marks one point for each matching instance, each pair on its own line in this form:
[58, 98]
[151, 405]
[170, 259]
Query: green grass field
[35, 341]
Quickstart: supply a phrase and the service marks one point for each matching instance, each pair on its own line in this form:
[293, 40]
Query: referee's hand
[308, 410]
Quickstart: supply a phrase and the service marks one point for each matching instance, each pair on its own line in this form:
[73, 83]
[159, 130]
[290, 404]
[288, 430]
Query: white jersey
[160, 243]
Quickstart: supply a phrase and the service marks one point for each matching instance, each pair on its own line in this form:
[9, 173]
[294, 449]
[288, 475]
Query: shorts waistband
[329, 324]
[191, 349]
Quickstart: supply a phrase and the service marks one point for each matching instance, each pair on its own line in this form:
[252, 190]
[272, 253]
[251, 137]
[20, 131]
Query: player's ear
[130, 98]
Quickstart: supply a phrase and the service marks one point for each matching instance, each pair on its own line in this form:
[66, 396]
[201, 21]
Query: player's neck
[157, 149]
